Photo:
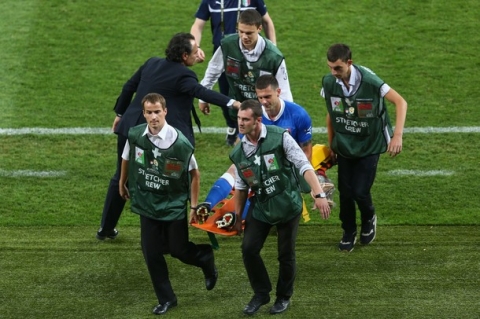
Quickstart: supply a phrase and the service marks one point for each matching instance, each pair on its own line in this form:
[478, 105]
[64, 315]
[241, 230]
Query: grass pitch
[62, 65]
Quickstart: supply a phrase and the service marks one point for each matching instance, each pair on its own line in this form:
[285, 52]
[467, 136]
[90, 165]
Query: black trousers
[114, 203]
[168, 237]
[355, 180]
[255, 234]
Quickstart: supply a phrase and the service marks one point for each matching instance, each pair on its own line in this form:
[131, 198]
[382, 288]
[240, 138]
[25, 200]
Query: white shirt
[354, 83]
[293, 153]
[216, 67]
[163, 140]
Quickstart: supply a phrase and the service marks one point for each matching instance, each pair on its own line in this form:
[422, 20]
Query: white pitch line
[209, 130]
[408, 172]
[30, 173]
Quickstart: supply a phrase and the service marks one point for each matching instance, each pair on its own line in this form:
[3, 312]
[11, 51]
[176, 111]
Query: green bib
[241, 74]
[158, 180]
[361, 122]
[272, 177]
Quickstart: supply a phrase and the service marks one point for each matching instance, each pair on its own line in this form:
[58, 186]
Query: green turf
[62, 65]
[408, 272]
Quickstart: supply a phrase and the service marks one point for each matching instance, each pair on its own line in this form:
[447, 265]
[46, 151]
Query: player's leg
[220, 189]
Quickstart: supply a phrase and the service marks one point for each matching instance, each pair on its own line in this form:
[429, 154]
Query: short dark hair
[250, 17]
[154, 98]
[339, 51]
[266, 80]
[178, 45]
[254, 105]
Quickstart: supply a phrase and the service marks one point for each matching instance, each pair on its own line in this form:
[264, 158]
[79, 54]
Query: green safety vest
[158, 180]
[361, 122]
[241, 74]
[272, 177]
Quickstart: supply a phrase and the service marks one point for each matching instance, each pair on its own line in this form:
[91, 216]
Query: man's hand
[395, 146]
[123, 190]
[115, 123]
[238, 225]
[323, 207]
[193, 216]
[204, 107]
[200, 56]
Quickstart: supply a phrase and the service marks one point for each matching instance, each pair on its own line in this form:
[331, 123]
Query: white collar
[280, 113]
[259, 46]
[161, 135]
[263, 134]
[352, 79]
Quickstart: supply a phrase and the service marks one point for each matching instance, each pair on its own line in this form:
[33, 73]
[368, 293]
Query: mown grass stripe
[31, 173]
[421, 173]
[209, 130]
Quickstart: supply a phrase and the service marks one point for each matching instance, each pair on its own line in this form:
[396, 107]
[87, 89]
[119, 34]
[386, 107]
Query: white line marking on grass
[56, 131]
[421, 173]
[207, 130]
[30, 173]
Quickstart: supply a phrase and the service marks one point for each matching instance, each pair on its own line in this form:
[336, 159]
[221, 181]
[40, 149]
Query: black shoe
[347, 242]
[211, 281]
[102, 235]
[369, 230]
[255, 304]
[280, 305]
[210, 270]
[231, 136]
[161, 309]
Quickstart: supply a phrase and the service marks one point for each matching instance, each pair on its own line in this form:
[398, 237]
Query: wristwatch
[320, 195]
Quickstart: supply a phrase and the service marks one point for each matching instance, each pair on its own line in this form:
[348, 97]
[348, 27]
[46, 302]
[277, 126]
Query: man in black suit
[170, 77]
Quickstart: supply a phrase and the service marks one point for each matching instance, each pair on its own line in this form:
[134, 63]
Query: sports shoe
[102, 235]
[231, 136]
[369, 230]
[347, 242]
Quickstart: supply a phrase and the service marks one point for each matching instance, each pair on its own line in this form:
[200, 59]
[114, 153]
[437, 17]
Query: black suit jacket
[176, 83]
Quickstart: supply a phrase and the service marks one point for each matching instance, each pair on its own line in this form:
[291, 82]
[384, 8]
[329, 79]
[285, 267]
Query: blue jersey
[293, 118]
[212, 10]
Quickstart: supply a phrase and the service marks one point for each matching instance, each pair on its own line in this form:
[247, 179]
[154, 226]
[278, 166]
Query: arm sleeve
[384, 89]
[203, 12]
[193, 163]
[126, 151]
[303, 124]
[261, 7]
[188, 84]
[128, 90]
[239, 183]
[214, 69]
[283, 83]
[295, 154]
